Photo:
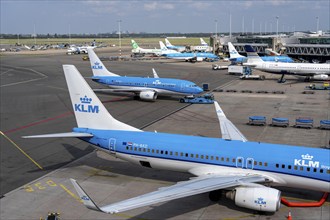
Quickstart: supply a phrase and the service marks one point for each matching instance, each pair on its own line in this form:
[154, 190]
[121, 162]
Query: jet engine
[257, 198]
[148, 95]
[321, 77]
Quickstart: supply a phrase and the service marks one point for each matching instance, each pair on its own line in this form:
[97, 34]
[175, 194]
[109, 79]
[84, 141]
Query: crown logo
[307, 157]
[86, 100]
[96, 63]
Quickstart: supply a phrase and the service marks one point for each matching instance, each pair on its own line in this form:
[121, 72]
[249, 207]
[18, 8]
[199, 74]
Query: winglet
[228, 130]
[88, 202]
[155, 73]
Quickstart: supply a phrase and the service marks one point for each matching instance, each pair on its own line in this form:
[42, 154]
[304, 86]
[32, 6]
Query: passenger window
[234, 160]
[176, 153]
[295, 167]
[260, 163]
[148, 150]
[161, 152]
[283, 166]
[212, 157]
[315, 169]
[157, 151]
[197, 156]
[308, 169]
[181, 154]
[265, 164]
[206, 157]
[187, 154]
[135, 148]
[217, 158]
[289, 167]
[255, 164]
[153, 151]
[227, 159]
[127, 148]
[222, 159]
[192, 155]
[321, 170]
[301, 168]
[277, 165]
[171, 153]
[166, 152]
[202, 156]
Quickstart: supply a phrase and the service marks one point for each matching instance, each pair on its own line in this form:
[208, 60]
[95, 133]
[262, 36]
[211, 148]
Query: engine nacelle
[321, 77]
[256, 198]
[148, 95]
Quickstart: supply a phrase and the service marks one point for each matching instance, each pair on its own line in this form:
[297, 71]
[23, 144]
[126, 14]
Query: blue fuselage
[290, 162]
[158, 84]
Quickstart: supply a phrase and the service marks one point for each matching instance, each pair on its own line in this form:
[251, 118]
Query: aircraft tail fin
[97, 66]
[168, 43]
[252, 55]
[203, 42]
[155, 73]
[162, 45]
[134, 44]
[88, 109]
[233, 52]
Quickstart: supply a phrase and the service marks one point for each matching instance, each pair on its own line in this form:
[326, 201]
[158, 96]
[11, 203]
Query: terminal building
[300, 46]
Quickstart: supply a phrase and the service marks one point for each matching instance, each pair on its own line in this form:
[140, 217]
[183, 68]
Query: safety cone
[289, 216]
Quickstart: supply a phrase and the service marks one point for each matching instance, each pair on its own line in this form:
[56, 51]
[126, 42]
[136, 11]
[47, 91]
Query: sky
[162, 16]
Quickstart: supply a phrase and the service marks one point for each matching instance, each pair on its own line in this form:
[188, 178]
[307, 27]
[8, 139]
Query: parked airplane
[242, 169]
[144, 87]
[165, 50]
[177, 48]
[310, 71]
[235, 57]
[192, 57]
[73, 49]
[138, 50]
[204, 47]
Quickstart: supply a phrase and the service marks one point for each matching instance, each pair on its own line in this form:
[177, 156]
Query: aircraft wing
[228, 129]
[134, 90]
[61, 135]
[191, 187]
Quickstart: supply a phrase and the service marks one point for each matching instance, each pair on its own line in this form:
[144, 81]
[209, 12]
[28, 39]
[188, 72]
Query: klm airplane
[192, 57]
[170, 46]
[144, 87]
[235, 57]
[244, 171]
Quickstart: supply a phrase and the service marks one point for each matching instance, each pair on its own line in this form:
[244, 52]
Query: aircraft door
[249, 163]
[112, 145]
[239, 162]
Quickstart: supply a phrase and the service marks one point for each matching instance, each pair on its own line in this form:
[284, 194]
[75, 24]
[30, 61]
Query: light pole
[119, 33]
[277, 26]
[317, 24]
[216, 28]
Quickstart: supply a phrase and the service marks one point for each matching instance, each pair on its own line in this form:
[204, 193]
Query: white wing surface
[228, 129]
[191, 187]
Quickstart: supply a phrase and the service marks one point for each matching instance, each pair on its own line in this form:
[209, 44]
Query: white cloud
[152, 6]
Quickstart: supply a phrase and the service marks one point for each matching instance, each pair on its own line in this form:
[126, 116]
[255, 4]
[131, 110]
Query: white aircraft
[73, 49]
[244, 170]
[138, 50]
[310, 71]
[204, 47]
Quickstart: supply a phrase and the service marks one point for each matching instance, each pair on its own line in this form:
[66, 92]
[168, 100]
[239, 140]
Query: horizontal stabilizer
[61, 135]
[228, 130]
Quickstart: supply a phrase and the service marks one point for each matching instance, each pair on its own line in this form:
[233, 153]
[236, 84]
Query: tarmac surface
[35, 100]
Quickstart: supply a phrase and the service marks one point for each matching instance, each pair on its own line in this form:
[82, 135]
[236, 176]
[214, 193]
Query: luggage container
[257, 120]
[304, 123]
[325, 124]
[280, 122]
